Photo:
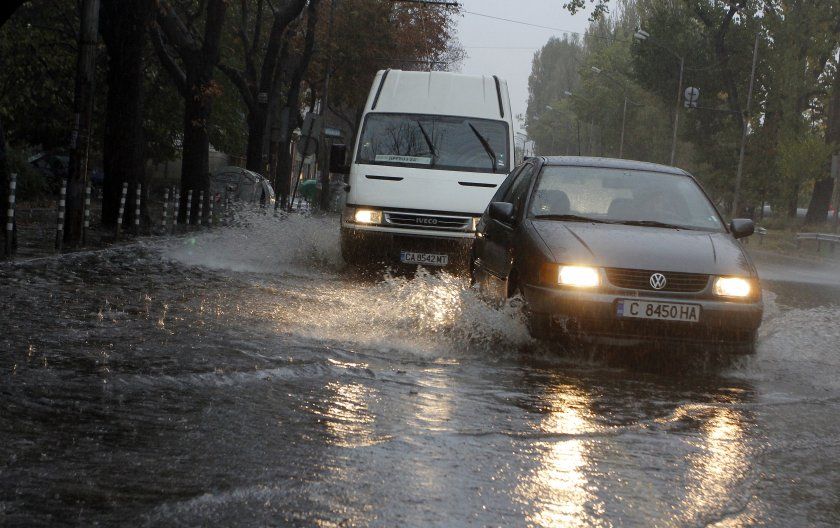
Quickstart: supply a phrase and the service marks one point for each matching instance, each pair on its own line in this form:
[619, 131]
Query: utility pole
[623, 121]
[83, 111]
[677, 113]
[324, 154]
[744, 128]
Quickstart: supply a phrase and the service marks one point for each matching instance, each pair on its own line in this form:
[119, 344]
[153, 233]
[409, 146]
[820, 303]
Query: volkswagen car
[617, 252]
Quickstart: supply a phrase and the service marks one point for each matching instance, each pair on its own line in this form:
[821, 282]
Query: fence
[48, 225]
[821, 238]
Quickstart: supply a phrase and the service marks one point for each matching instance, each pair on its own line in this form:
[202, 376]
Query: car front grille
[428, 221]
[674, 281]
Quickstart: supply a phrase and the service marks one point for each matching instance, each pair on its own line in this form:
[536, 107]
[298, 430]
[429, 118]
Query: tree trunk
[824, 188]
[195, 166]
[256, 139]
[123, 158]
[4, 192]
[83, 110]
[793, 201]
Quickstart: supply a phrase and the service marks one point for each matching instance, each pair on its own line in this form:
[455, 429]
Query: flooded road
[243, 377]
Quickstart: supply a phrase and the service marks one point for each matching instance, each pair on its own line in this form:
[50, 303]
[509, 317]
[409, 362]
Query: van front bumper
[382, 244]
[593, 316]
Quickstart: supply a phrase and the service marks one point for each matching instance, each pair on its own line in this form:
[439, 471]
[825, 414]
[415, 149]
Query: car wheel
[539, 325]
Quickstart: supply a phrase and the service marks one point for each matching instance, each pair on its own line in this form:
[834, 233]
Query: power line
[561, 30]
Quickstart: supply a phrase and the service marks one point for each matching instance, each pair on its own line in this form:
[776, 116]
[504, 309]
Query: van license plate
[430, 259]
[658, 310]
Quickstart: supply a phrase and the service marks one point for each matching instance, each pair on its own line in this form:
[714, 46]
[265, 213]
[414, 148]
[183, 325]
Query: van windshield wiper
[651, 223]
[428, 141]
[572, 218]
[485, 144]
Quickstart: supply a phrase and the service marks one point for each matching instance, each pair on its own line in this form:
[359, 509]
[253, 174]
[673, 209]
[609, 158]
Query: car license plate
[658, 310]
[430, 259]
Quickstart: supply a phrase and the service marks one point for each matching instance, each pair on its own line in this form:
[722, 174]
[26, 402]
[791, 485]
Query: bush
[32, 184]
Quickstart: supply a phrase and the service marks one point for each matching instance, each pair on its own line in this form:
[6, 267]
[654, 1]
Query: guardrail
[830, 239]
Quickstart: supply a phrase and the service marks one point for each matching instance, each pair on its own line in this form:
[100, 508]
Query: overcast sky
[505, 48]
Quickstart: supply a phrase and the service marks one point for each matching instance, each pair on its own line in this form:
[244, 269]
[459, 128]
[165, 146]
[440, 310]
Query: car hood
[648, 248]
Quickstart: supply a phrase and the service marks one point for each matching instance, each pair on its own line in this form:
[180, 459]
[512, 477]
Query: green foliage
[802, 159]
[31, 183]
[799, 46]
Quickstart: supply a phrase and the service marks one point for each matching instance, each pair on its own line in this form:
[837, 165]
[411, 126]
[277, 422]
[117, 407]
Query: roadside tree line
[583, 89]
[171, 78]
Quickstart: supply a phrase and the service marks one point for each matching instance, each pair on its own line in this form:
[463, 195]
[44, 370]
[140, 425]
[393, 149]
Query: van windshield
[435, 142]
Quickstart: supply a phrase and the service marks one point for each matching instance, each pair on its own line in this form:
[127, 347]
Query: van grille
[428, 221]
[674, 281]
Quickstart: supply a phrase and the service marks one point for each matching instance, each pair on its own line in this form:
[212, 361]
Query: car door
[498, 237]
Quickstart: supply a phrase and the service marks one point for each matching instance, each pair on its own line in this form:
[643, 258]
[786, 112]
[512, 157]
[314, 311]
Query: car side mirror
[741, 227]
[502, 212]
[338, 157]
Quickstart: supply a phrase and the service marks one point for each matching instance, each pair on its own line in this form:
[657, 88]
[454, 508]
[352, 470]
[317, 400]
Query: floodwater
[243, 377]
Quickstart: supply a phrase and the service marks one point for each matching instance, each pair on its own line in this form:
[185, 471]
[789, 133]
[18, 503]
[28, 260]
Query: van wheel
[351, 251]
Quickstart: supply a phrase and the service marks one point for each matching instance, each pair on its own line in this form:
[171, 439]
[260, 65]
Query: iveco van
[431, 151]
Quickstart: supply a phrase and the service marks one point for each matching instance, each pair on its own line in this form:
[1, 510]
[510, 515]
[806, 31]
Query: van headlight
[732, 287]
[367, 216]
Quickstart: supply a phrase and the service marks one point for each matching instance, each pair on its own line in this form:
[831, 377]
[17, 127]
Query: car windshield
[635, 197]
[435, 142]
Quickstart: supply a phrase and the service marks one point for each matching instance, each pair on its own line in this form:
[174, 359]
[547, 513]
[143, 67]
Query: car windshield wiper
[651, 223]
[485, 144]
[428, 142]
[571, 218]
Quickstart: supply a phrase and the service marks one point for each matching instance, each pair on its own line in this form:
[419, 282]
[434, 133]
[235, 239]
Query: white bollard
[10, 217]
[86, 224]
[189, 207]
[210, 211]
[165, 207]
[177, 210]
[137, 209]
[62, 202]
[200, 208]
[121, 210]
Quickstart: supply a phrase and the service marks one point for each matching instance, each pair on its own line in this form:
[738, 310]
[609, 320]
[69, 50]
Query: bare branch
[169, 63]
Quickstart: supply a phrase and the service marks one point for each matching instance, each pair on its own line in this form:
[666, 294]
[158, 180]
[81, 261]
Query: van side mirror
[502, 212]
[338, 158]
[741, 227]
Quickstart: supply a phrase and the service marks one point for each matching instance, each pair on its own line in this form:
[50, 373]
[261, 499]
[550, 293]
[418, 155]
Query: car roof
[611, 163]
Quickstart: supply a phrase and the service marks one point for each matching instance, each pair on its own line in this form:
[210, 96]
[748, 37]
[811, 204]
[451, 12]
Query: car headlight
[474, 224]
[732, 287]
[578, 276]
[367, 216]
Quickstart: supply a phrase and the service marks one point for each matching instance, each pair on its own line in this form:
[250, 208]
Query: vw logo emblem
[657, 281]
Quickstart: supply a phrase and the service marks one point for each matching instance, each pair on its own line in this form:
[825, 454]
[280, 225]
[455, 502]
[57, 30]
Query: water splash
[798, 346]
[432, 314]
[261, 242]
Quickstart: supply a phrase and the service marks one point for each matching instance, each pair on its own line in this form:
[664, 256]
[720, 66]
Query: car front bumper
[593, 316]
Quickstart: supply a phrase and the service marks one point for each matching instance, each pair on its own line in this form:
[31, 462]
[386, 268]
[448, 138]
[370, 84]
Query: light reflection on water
[559, 488]
[718, 469]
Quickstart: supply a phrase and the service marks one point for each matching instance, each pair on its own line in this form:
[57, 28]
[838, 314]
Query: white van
[432, 149]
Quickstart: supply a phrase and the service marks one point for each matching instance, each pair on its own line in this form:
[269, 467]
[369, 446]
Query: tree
[191, 62]
[6, 11]
[124, 28]
[289, 118]
[261, 71]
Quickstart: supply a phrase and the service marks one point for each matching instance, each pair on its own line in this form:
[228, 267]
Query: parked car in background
[618, 252]
[235, 184]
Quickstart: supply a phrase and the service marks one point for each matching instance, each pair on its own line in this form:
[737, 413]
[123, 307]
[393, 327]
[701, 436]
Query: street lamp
[599, 71]
[642, 35]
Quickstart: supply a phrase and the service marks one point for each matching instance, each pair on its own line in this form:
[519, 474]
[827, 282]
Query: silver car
[235, 184]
